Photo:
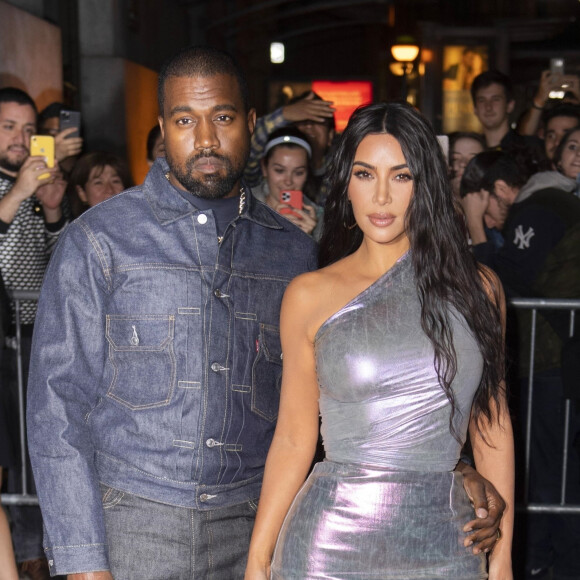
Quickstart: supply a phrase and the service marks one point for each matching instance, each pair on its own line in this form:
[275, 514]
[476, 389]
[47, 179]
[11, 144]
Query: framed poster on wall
[452, 56]
[461, 64]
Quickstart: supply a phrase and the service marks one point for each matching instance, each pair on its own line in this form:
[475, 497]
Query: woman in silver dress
[397, 342]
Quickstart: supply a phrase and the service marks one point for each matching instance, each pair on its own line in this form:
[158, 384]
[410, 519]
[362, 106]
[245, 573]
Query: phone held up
[43, 146]
[557, 66]
[557, 71]
[70, 119]
[293, 199]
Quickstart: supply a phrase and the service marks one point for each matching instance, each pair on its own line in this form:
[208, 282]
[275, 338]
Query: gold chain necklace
[240, 209]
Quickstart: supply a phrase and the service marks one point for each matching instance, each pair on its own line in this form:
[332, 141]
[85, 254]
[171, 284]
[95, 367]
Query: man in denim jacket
[155, 382]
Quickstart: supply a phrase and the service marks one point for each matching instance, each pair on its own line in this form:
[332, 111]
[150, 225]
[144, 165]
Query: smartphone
[557, 66]
[70, 119]
[292, 197]
[43, 145]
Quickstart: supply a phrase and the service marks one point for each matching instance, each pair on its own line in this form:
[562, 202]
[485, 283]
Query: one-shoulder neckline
[391, 271]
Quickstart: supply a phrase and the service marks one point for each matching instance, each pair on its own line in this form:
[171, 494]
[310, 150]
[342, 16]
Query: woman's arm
[493, 451]
[494, 459]
[296, 434]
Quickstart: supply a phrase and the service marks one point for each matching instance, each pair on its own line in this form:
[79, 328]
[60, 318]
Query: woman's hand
[304, 218]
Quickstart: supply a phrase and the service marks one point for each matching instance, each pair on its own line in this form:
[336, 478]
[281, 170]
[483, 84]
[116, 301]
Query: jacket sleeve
[66, 371]
[53, 232]
[485, 253]
[264, 126]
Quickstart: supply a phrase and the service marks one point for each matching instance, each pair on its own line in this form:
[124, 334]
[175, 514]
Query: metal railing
[23, 498]
[533, 304]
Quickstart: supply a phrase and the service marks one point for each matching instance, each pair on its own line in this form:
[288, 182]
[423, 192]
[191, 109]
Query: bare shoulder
[312, 297]
[307, 288]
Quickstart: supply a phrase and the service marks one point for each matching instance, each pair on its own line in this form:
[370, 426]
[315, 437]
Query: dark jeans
[150, 540]
[553, 540]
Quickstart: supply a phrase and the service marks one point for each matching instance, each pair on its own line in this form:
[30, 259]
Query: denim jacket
[156, 360]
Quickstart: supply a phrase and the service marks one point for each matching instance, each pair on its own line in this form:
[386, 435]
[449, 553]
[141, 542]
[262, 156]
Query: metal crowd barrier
[533, 304]
[23, 498]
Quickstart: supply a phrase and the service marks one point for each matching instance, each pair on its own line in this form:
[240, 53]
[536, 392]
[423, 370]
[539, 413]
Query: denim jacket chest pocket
[142, 356]
[267, 373]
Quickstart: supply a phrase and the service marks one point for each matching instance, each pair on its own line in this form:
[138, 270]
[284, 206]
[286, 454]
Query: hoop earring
[344, 222]
[349, 227]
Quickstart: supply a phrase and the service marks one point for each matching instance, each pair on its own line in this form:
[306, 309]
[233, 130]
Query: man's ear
[251, 120]
[160, 119]
[504, 191]
[510, 106]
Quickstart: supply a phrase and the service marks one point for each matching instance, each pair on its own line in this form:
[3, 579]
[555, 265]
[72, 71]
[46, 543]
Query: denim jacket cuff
[63, 560]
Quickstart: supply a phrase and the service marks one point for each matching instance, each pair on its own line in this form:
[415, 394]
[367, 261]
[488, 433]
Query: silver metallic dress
[385, 504]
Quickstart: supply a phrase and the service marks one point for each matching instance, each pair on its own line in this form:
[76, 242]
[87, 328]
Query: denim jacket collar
[168, 207]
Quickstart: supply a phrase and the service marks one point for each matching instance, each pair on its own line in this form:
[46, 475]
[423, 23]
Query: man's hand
[67, 146]
[26, 184]
[308, 109]
[548, 82]
[474, 207]
[489, 507]
[571, 83]
[50, 197]
[50, 194]
[105, 575]
[28, 180]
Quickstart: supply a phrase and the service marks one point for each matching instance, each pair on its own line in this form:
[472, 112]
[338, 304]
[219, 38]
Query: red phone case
[293, 198]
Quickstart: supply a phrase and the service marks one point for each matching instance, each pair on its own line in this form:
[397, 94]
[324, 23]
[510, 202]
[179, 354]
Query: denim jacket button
[210, 443]
[201, 219]
[203, 497]
[217, 293]
[215, 367]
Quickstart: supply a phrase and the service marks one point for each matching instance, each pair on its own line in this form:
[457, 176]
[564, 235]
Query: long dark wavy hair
[445, 269]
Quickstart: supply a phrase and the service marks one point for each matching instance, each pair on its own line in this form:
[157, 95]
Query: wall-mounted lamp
[277, 52]
[405, 51]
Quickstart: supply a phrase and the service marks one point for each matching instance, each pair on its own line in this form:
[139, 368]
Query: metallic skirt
[353, 522]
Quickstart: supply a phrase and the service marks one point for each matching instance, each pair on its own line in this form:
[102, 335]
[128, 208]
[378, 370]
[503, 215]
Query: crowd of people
[157, 397]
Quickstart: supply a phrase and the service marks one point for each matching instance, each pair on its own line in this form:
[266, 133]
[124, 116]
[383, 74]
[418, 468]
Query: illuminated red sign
[347, 96]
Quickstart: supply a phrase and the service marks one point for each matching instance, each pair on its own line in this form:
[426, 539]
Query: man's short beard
[210, 186]
[10, 166]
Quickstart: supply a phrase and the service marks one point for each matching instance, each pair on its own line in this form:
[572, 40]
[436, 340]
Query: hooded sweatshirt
[540, 256]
